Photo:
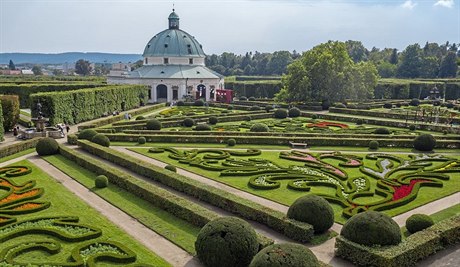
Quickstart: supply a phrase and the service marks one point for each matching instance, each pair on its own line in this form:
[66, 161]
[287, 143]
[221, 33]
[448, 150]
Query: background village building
[174, 68]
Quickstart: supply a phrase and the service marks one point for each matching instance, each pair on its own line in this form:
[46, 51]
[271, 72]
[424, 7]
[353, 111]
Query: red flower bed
[325, 124]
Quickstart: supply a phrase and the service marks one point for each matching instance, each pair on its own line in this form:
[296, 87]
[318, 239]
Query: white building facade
[173, 67]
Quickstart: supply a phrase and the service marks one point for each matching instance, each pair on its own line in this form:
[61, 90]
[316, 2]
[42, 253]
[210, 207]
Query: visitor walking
[15, 131]
[67, 127]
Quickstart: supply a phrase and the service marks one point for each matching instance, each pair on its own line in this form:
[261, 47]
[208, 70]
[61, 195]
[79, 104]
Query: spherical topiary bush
[180, 103]
[231, 142]
[372, 228]
[414, 102]
[359, 121]
[247, 118]
[382, 131]
[153, 124]
[313, 210]
[281, 113]
[259, 128]
[101, 139]
[436, 103]
[325, 104]
[138, 118]
[314, 116]
[203, 127]
[101, 181]
[294, 112]
[47, 146]
[418, 222]
[226, 242]
[141, 140]
[171, 168]
[412, 127]
[252, 98]
[213, 120]
[87, 134]
[373, 145]
[285, 255]
[243, 98]
[199, 103]
[424, 142]
[269, 108]
[230, 107]
[188, 122]
[387, 105]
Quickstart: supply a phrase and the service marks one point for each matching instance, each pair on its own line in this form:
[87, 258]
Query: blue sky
[124, 26]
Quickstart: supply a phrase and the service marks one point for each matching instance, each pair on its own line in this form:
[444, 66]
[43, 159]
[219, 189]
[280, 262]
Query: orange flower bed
[27, 206]
[325, 124]
[15, 196]
[6, 183]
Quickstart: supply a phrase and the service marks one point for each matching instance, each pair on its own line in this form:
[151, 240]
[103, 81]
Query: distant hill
[69, 57]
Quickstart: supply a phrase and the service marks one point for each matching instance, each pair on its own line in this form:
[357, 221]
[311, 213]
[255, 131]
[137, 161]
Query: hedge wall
[245, 208]
[414, 248]
[86, 104]
[2, 131]
[408, 89]
[10, 108]
[18, 147]
[25, 90]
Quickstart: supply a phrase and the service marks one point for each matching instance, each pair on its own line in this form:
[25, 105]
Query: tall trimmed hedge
[25, 90]
[86, 104]
[1, 123]
[10, 108]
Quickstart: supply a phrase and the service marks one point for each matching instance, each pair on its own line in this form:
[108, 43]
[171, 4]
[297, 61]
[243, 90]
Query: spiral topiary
[418, 222]
[281, 113]
[381, 131]
[47, 146]
[213, 120]
[226, 242]
[313, 210]
[259, 128]
[188, 122]
[372, 228]
[101, 139]
[141, 140]
[231, 142]
[87, 134]
[101, 181]
[203, 127]
[373, 145]
[424, 142]
[171, 168]
[285, 255]
[294, 112]
[153, 124]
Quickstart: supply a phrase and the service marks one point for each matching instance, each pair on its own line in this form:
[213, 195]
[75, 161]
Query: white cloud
[409, 5]
[445, 3]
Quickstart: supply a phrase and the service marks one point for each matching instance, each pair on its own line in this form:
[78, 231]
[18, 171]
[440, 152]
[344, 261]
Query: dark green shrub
[87, 134]
[340, 105]
[153, 124]
[412, 127]
[252, 98]
[180, 103]
[47, 146]
[281, 113]
[398, 105]
[424, 142]
[352, 106]
[313, 210]
[418, 222]
[226, 242]
[314, 116]
[138, 118]
[444, 132]
[213, 120]
[449, 105]
[436, 103]
[382, 131]
[199, 103]
[188, 122]
[372, 228]
[259, 128]
[101, 139]
[101, 181]
[373, 145]
[230, 107]
[10, 108]
[269, 108]
[141, 140]
[387, 105]
[231, 142]
[243, 98]
[285, 255]
[254, 108]
[203, 127]
[325, 104]
[171, 168]
[294, 112]
[359, 121]
[414, 102]
[247, 118]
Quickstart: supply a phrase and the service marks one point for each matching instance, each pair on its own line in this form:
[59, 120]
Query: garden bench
[294, 145]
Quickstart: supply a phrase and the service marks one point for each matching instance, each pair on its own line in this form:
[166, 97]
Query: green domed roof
[173, 15]
[173, 43]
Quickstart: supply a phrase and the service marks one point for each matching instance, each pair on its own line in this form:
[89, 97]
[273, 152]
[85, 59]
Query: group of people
[63, 126]
[16, 131]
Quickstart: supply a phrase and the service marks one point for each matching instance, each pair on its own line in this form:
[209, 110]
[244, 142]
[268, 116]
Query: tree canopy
[83, 67]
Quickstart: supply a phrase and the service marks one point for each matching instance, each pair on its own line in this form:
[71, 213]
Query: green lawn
[17, 155]
[446, 213]
[287, 196]
[174, 229]
[65, 203]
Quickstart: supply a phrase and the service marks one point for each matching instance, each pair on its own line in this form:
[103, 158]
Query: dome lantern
[173, 20]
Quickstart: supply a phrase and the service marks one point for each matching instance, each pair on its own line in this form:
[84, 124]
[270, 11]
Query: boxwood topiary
[141, 140]
[243, 98]
[231, 142]
[213, 120]
[87, 134]
[372, 228]
[294, 112]
[412, 127]
[382, 131]
[47, 146]
[153, 124]
[138, 118]
[373, 145]
[313, 210]
[285, 255]
[101, 139]
[226, 242]
[230, 107]
[414, 102]
[199, 103]
[247, 118]
[188, 122]
[281, 113]
[314, 116]
[259, 128]
[424, 142]
[101, 181]
[418, 222]
[180, 103]
[268, 108]
[387, 105]
[171, 168]
[359, 121]
[252, 98]
[203, 127]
